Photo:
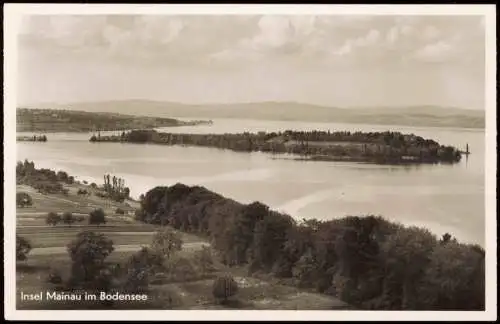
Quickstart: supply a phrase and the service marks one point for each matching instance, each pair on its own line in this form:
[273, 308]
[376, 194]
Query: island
[33, 138]
[58, 120]
[371, 147]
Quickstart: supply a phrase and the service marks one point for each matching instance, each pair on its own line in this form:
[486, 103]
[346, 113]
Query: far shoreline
[316, 122]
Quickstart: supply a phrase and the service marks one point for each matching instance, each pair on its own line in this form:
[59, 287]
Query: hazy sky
[328, 60]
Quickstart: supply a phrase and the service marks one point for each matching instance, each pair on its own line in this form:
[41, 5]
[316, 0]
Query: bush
[139, 215]
[54, 277]
[83, 192]
[179, 268]
[79, 218]
[68, 218]
[119, 211]
[224, 288]
[23, 199]
[140, 266]
[97, 217]
[53, 218]
[23, 247]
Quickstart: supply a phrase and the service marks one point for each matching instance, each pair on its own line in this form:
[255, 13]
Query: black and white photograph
[333, 159]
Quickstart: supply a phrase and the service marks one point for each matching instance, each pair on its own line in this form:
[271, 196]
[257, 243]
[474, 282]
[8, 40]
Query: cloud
[435, 52]
[233, 40]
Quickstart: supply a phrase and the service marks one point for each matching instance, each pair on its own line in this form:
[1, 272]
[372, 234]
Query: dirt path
[118, 248]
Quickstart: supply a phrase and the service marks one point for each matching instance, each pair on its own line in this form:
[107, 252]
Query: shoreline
[147, 187]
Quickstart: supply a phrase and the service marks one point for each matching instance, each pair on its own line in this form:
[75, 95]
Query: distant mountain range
[432, 116]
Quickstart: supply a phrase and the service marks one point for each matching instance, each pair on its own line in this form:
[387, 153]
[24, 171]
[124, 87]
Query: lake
[443, 198]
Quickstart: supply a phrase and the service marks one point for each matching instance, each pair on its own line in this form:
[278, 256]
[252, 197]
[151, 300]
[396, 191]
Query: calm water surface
[443, 198]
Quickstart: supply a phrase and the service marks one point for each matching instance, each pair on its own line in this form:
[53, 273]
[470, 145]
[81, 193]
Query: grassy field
[49, 253]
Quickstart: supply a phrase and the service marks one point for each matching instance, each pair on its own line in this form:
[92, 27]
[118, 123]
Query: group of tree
[376, 147]
[96, 217]
[66, 218]
[367, 261]
[44, 180]
[115, 188]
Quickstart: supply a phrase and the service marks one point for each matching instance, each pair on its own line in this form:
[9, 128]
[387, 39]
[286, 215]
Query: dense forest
[366, 261]
[375, 147]
[51, 120]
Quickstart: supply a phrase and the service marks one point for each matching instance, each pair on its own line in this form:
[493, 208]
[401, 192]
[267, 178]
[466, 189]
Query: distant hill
[432, 116]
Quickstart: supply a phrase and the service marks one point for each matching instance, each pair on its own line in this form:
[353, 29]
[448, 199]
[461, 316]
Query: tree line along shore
[374, 147]
[366, 261]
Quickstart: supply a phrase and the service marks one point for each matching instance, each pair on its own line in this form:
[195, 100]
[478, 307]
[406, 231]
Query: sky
[341, 61]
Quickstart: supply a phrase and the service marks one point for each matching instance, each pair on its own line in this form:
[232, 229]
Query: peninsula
[57, 120]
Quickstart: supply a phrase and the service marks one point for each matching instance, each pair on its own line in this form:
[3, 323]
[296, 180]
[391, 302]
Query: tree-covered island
[33, 138]
[373, 147]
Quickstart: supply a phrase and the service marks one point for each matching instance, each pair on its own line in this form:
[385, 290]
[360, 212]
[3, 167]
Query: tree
[446, 238]
[166, 242]
[23, 199]
[68, 218]
[224, 288]
[97, 217]
[53, 218]
[88, 252]
[23, 247]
